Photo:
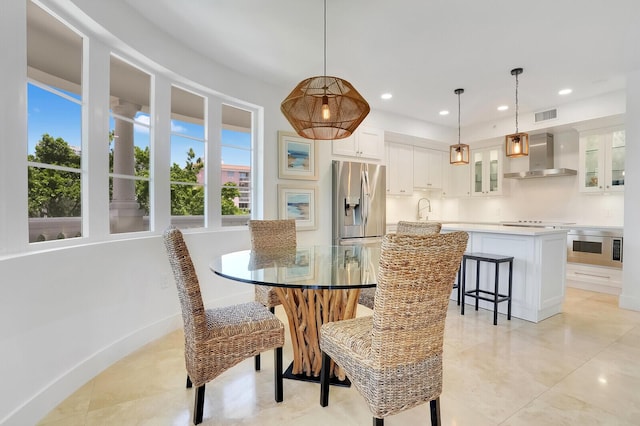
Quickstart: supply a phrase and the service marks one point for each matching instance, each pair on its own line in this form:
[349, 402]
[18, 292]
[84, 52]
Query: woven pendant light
[517, 144]
[325, 107]
[459, 153]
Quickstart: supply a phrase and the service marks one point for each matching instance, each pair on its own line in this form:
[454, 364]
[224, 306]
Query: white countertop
[501, 229]
[498, 228]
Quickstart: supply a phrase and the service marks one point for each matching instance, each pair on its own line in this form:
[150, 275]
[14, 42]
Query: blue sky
[59, 117]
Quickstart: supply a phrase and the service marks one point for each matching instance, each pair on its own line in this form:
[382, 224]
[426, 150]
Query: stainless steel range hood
[541, 160]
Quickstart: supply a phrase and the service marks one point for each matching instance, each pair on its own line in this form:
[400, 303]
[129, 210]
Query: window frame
[95, 170]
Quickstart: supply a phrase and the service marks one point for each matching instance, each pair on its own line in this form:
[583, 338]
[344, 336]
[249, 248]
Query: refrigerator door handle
[366, 197]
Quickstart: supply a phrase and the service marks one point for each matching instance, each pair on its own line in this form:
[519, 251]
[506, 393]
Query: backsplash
[551, 200]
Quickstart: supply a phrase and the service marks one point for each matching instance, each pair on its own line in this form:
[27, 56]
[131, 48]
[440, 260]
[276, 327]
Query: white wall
[630, 297]
[67, 313]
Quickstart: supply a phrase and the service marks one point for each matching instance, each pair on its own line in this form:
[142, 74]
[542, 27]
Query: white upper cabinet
[365, 142]
[427, 168]
[399, 169]
[486, 171]
[456, 179]
[601, 165]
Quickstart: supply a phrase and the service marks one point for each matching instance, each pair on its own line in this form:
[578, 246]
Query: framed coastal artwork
[298, 202]
[297, 157]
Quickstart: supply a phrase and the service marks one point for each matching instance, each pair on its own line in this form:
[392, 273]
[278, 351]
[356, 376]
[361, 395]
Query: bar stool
[479, 294]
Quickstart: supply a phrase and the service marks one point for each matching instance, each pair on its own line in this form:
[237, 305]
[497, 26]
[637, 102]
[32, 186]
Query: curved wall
[68, 313]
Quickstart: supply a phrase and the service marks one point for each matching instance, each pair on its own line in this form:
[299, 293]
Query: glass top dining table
[316, 285]
[314, 267]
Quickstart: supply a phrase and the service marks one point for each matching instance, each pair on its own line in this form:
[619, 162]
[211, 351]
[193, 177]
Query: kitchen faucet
[421, 209]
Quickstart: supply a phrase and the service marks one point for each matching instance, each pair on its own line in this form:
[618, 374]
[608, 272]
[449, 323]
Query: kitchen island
[540, 257]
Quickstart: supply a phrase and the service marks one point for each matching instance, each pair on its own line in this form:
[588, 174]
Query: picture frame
[299, 202]
[297, 157]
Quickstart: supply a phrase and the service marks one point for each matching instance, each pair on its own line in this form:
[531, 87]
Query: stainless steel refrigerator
[359, 203]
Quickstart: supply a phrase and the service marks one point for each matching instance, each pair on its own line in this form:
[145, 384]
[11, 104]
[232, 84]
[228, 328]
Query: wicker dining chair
[217, 339]
[394, 357]
[414, 228]
[269, 235]
[418, 228]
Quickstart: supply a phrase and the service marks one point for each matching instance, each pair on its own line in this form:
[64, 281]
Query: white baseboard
[59, 389]
[598, 288]
[629, 302]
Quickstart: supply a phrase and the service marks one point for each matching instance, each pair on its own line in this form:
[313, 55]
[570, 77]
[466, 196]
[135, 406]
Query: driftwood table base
[306, 311]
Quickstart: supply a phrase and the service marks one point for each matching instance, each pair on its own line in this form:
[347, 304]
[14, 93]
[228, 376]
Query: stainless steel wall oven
[595, 247]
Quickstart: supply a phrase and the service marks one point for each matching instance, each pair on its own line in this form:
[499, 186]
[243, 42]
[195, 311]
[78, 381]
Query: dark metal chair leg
[459, 283]
[378, 422]
[495, 296]
[510, 289]
[435, 412]
[189, 384]
[277, 365]
[199, 405]
[463, 284]
[324, 380]
[477, 283]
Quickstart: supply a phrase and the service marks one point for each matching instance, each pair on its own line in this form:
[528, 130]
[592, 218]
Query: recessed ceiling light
[444, 112]
[386, 96]
[503, 107]
[565, 91]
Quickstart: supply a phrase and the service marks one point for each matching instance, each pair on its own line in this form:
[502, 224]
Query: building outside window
[236, 150]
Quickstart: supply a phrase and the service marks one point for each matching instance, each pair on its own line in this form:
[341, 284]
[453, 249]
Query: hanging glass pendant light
[517, 144]
[325, 107]
[459, 153]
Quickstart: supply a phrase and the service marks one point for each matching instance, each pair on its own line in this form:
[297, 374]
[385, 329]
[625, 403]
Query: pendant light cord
[325, 39]
[458, 118]
[517, 102]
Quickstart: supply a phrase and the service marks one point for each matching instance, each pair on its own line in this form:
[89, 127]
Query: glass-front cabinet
[602, 155]
[486, 171]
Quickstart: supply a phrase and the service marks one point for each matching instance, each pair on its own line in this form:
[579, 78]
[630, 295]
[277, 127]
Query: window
[236, 166]
[187, 173]
[63, 174]
[129, 148]
[54, 145]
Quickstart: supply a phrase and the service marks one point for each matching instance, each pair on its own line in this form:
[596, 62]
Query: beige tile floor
[581, 367]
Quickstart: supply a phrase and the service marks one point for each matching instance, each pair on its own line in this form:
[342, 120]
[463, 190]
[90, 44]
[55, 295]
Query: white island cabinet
[540, 258]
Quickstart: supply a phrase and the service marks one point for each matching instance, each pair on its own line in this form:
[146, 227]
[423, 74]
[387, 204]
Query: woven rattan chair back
[367, 295]
[418, 228]
[193, 312]
[272, 234]
[414, 278]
